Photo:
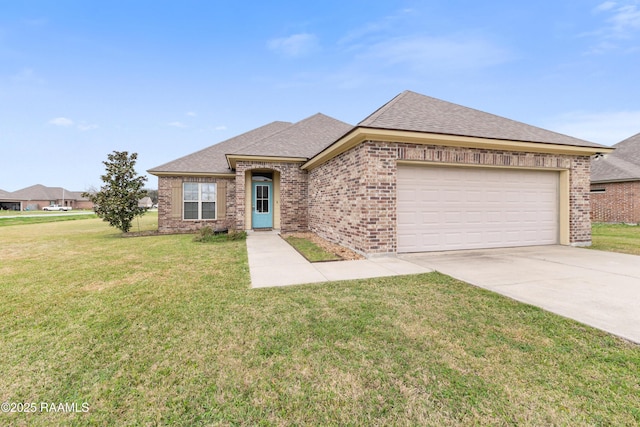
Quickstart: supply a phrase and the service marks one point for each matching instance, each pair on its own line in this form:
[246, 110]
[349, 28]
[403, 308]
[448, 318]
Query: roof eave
[609, 181]
[361, 134]
[232, 159]
[191, 173]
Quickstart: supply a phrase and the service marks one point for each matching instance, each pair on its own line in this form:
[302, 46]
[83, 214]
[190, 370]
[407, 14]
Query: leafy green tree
[117, 200]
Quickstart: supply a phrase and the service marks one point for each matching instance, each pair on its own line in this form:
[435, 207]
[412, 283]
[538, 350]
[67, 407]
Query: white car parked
[56, 208]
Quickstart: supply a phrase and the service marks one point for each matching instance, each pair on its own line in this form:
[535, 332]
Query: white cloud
[625, 19]
[191, 113]
[620, 28]
[66, 122]
[294, 46]
[85, 127]
[606, 128]
[61, 121]
[441, 53]
[221, 127]
[369, 31]
[608, 5]
[177, 124]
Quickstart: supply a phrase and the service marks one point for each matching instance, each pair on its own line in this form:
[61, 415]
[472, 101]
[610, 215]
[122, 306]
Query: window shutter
[221, 200]
[176, 199]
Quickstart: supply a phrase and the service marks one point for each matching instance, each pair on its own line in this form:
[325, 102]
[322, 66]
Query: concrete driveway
[600, 289]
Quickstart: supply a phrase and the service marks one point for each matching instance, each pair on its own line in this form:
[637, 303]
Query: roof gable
[302, 139]
[278, 139]
[212, 159]
[40, 192]
[410, 111]
[621, 165]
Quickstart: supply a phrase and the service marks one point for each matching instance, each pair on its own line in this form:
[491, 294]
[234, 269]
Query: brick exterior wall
[352, 197]
[579, 200]
[167, 221]
[293, 194]
[620, 202]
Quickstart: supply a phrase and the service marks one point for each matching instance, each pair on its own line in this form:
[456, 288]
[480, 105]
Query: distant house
[8, 201]
[615, 184]
[38, 196]
[145, 202]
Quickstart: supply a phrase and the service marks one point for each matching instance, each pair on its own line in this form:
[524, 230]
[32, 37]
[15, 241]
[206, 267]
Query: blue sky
[79, 79]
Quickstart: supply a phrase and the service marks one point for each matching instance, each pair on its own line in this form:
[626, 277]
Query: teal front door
[262, 205]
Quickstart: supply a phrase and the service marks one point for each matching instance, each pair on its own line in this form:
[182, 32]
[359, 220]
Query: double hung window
[199, 200]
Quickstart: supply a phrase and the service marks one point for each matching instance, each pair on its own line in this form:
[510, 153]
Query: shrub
[236, 235]
[208, 234]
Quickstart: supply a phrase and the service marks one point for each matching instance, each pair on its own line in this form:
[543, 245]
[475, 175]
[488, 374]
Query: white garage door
[449, 208]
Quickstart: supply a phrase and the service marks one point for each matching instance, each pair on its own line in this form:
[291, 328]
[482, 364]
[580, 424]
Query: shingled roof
[278, 139]
[302, 139]
[212, 159]
[41, 192]
[621, 165]
[412, 111]
[6, 195]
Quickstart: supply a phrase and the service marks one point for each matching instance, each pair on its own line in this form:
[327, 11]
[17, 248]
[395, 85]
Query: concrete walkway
[273, 262]
[600, 289]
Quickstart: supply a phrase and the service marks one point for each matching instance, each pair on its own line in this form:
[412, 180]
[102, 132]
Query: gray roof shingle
[212, 159]
[278, 139]
[621, 165]
[6, 195]
[41, 192]
[302, 139]
[415, 112]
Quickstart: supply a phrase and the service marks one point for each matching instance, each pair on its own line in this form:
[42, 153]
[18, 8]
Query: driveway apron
[600, 289]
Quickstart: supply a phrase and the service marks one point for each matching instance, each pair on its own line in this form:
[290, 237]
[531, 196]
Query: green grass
[616, 238]
[166, 331]
[310, 250]
[31, 213]
[22, 220]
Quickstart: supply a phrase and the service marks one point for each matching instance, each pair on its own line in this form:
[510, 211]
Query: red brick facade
[579, 203]
[293, 193]
[352, 197]
[619, 202]
[170, 205]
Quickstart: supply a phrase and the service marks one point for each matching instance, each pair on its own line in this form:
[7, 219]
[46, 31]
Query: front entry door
[262, 205]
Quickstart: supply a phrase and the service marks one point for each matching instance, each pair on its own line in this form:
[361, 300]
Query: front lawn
[164, 330]
[39, 219]
[616, 238]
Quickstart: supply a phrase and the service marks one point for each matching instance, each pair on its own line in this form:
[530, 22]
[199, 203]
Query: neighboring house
[38, 196]
[615, 184]
[419, 174]
[145, 202]
[9, 202]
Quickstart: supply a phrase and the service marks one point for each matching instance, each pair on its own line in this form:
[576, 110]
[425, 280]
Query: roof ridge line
[385, 107]
[269, 136]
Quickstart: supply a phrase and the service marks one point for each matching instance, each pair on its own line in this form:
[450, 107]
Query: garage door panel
[467, 208]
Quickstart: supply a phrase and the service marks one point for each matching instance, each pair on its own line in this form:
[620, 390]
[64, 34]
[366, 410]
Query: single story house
[38, 196]
[145, 202]
[419, 174]
[615, 184]
[8, 202]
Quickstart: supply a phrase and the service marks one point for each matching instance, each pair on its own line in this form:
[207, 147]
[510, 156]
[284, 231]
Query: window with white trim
[199, 200]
